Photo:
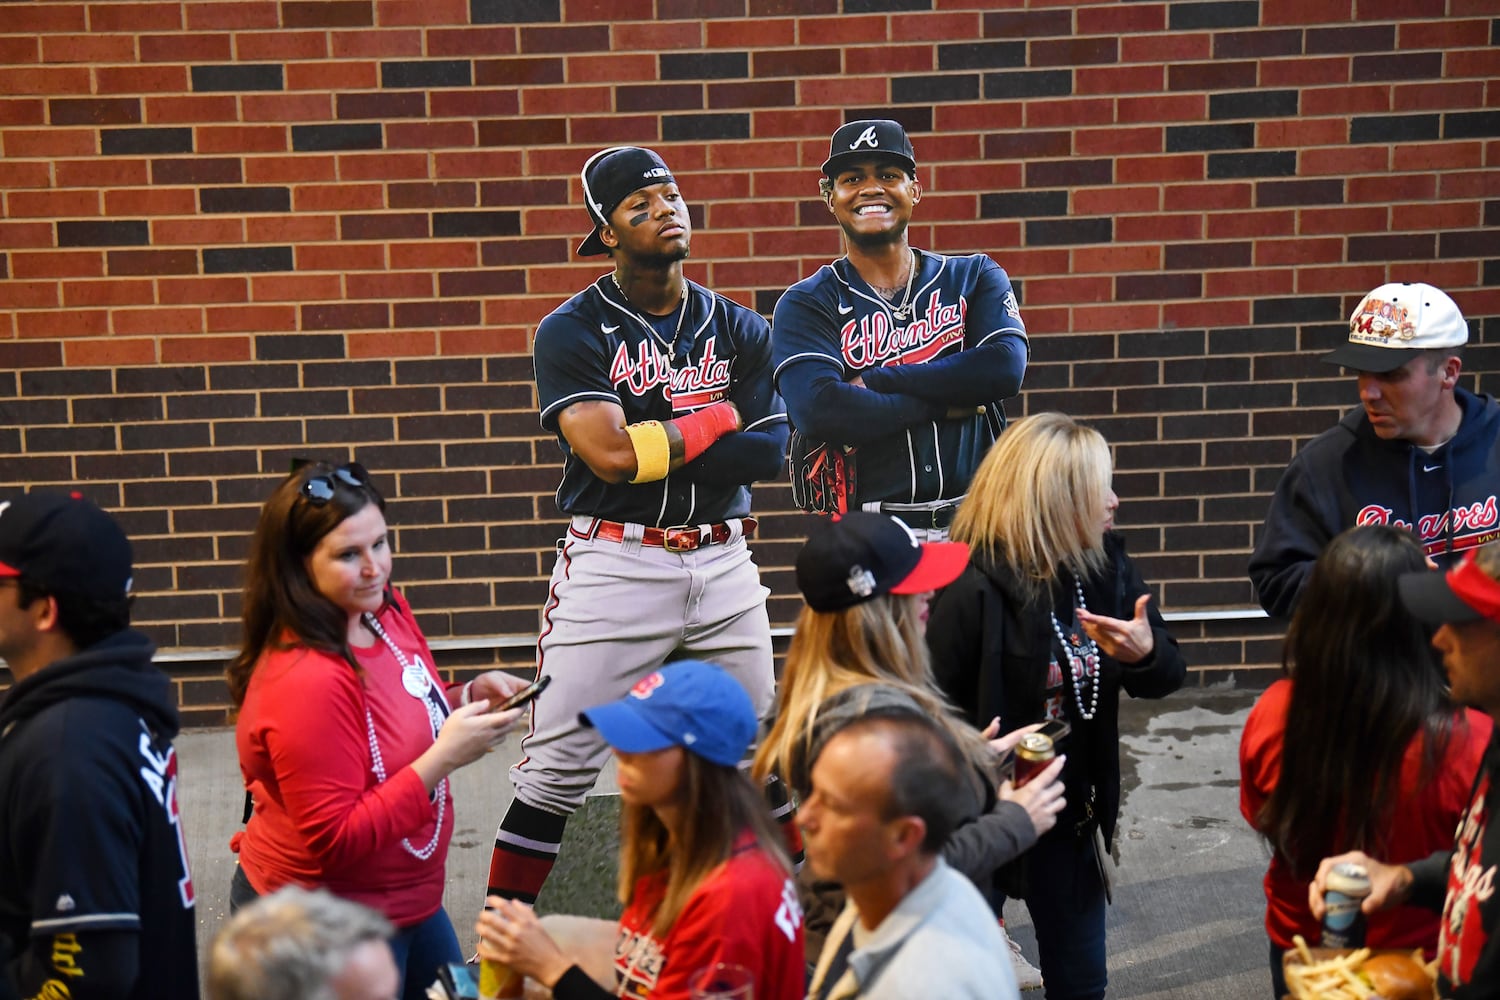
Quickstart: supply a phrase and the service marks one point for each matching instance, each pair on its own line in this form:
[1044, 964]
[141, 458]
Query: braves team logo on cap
[858, 140]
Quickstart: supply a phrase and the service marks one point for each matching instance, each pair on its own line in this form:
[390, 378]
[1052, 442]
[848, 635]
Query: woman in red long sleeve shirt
[346, 734]
[1375, 756]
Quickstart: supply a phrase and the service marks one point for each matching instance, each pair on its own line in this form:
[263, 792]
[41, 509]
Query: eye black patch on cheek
[638, 220]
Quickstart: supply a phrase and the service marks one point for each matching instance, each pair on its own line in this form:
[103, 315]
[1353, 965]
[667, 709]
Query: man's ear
[1452, 368]
[607, 236]
[907, 834]
[916, 189]
[44, 609]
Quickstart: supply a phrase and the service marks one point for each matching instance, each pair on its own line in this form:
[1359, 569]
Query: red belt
[679, 538]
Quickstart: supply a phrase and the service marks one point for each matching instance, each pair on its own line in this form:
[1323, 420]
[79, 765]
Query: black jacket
[1348, 475]
[91, 842]
[991, 647]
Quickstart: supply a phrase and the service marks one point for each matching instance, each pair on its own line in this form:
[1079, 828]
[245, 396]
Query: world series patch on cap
[1397, 318]
[63, 543]
[859, 140]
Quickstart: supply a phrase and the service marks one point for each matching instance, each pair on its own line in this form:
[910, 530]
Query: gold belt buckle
[680, 538]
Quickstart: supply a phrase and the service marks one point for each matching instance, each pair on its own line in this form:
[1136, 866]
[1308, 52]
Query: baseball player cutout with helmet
[661, 396]
[892, 360]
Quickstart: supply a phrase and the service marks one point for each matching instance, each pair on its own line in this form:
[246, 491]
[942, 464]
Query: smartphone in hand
[525, 695]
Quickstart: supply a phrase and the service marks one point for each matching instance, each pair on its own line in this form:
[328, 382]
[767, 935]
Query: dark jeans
[1065, 898]
[419, 949]
[1278, 974]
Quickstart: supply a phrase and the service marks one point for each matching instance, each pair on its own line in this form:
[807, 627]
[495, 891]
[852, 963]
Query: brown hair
[279, 596]
[1353, 643]
[719, 803]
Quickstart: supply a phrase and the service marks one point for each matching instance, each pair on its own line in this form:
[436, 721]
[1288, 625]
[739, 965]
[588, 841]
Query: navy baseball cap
[688, 704]
[862, 140]
[860, 555]
[609, 176]
[63, 543]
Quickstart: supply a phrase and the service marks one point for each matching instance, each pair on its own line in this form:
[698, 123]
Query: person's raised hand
[1126, 641]
[1390, 885]
[469, 732]
[1041, 797]
[1005, 744]
[510, 933]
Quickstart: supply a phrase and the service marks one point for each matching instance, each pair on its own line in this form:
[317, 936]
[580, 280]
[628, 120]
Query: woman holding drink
[867, 582]
[703, 876]
[1377, 759]
[346, 735]
[1049, 621]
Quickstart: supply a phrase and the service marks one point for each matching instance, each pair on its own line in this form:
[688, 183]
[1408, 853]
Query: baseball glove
[823, 475]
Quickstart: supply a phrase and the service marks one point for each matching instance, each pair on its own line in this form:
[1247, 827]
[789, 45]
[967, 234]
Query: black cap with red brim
[1465, 593]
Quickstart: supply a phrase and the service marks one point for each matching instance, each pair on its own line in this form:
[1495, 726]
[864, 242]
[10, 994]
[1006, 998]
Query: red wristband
[702, 428]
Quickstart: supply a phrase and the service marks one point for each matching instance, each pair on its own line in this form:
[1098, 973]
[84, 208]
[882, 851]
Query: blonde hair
[879, 640]
[1036, 501]
[719, 803]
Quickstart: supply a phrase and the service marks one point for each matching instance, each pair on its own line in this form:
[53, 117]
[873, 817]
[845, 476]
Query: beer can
[1345, 889]
[1033, 754]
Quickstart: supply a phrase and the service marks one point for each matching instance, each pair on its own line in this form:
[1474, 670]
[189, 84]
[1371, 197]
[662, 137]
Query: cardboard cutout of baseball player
[892, 360]
[661, 396]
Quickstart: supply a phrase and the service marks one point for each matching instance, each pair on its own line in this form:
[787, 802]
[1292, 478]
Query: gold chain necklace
[681, 306]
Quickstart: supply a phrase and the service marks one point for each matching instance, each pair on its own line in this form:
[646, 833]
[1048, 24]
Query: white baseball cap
[1397, 318]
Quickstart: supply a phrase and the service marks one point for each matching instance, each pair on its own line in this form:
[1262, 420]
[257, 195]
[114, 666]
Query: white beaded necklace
[415, 679]
[1084, 667]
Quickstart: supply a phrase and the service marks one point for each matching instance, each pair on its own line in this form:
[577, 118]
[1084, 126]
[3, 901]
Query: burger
[1397, 977]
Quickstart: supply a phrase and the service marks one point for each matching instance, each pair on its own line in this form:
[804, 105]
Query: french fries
[1336, 978]
[1331, 979]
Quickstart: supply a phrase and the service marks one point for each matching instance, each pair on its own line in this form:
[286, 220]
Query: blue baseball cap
[688, 704]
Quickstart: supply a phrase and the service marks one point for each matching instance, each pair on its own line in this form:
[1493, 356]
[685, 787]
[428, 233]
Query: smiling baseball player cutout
[661, 396]
[892, 360]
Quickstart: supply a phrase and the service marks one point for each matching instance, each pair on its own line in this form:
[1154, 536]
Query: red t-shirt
[1424, 817]
[321, 818]
[745, 913]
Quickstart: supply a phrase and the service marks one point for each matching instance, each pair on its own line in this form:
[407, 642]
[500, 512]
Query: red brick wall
[235, 232]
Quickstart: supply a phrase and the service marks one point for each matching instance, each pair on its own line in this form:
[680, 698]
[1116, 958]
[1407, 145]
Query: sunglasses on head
[318, 490]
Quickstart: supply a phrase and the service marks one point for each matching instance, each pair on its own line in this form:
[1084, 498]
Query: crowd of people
[963, 587]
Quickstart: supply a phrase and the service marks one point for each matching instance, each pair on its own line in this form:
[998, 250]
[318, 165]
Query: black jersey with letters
[832, 326]
[596, 346]
[91, 840]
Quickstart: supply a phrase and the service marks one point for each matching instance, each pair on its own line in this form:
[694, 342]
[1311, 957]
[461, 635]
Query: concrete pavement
[1187, 918]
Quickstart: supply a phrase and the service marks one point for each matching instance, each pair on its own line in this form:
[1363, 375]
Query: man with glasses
[660, 393]
[95, 891]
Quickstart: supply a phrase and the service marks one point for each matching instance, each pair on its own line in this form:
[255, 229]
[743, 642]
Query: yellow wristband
[653, 454]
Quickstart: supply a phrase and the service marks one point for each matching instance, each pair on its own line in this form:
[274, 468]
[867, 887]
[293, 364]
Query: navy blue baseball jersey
[963, 344]
[596, 346]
